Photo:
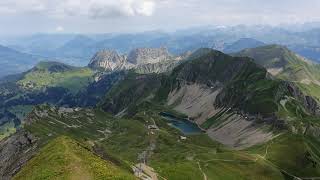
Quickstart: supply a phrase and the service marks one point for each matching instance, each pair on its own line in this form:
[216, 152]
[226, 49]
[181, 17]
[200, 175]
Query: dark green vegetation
[245, 85]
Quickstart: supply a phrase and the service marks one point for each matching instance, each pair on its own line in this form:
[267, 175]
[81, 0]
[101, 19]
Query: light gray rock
[109, 61]
[148, 56]
[15, 151]
[144, 60]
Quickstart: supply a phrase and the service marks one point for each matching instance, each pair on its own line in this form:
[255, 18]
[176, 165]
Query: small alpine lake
[184, 125]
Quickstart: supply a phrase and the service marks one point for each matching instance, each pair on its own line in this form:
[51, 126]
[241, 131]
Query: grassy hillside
[294, 155]
[284, 64]
[64, 158]
[47, 82]
[311, 90]
[52, 74]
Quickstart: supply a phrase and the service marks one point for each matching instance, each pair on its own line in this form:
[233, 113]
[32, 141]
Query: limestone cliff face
[109, 61]
[148, 55]
[145, 60]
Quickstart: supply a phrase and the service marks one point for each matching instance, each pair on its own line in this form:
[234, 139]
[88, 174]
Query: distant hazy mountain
[241, 44]
[77, 49]
[12, 61]
[40, 44]
[310, 52]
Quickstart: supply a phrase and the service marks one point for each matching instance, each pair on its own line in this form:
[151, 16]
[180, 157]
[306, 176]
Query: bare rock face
[15, 151]
[144, 60]
[308, 102]
[109, 61]
[148, 56]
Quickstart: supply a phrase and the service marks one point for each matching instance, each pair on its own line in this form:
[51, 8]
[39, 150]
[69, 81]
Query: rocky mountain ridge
[231, 97]
[284, 64]
[110, 60]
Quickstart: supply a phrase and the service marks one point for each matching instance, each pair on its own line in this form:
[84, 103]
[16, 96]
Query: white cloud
[90, 8]
[59, 28]
[102, 9]
[139, 15]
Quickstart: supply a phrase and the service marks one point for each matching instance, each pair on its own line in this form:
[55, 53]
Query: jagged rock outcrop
[309, 103]
[145, 60]
[15, 151]
[109, 61]
[148, 55]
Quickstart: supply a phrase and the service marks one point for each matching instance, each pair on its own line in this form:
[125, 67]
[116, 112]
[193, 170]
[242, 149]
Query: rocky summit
[110, 60]
[148, 55]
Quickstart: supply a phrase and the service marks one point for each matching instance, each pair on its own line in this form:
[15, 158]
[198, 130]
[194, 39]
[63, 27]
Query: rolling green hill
[64, 158]
[294, 155]
[54, 74]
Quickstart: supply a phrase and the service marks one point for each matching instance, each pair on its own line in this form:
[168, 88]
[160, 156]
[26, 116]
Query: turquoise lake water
[185, 126]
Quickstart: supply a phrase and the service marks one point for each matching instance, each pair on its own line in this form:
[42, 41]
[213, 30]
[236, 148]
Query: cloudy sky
[97, 16]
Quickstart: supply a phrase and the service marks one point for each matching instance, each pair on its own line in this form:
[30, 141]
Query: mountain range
[77, 49]
[152, 114]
